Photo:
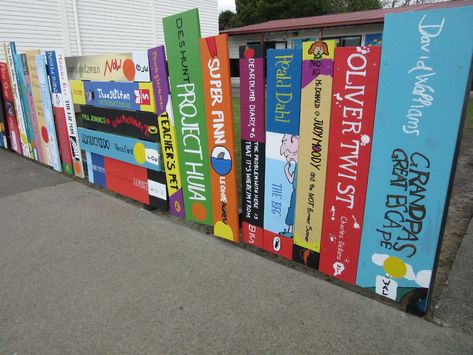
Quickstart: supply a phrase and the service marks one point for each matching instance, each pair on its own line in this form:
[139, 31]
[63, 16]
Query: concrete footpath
[82, 271]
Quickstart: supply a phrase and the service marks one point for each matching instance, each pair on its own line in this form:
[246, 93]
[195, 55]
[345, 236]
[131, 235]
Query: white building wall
[32, 24]
[102, 26]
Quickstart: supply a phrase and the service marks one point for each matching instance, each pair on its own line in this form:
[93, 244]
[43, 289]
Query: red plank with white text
[355, 85]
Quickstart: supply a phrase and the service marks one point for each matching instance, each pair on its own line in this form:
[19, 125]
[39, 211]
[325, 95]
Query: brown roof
[334, 20]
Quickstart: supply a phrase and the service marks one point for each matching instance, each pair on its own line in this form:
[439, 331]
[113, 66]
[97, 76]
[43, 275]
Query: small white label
[157, 189]
[277, 243]
[386, 287]
[137, 97]
[152, 156]
[13, 141]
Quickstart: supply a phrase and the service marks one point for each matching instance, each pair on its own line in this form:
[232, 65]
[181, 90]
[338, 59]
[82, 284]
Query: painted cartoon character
[318, 49]
[289, 149]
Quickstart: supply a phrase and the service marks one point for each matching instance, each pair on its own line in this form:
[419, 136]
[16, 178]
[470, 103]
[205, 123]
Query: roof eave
[304, 27]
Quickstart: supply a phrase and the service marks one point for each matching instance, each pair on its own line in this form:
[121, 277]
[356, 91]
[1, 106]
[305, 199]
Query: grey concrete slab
[455, 306]
[84, 272]
[20, 175]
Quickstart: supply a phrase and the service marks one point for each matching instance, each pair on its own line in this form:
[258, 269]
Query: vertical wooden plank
[282, 144]
[70, 115]
[415, 143]
[57, 101]
[355, 85]
[10, 52]
[12, 122]
[252, 111]
[182, 34]
[317, 73]
[27, 103]
[43, 138]
[48, 112]
[167, 129]
[218, 100]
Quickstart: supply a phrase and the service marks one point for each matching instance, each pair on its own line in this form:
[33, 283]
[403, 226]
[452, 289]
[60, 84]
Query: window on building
[234, 63]
[346, 41]
[234, 67]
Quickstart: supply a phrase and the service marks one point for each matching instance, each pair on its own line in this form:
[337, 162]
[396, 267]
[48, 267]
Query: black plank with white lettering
[252, 170]
[157, 190]
[134, 124]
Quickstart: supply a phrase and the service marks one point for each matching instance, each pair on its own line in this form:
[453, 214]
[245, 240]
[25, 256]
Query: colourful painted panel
[3, 126]
[134, 124]
[96, 165]
[10, 51]
[39, 108]
[355, 85]
[48, 113]
[12, 123]
[131, 66]
[116, 95]
[70, 114]
[27, 104]
[252, 112]
[4, 138]
[59, 113]
[282, 141]
[182, 34]
[141, 184]
[317, 74]
[133, 151]
[373, 39]
[90, 172]
[414, 149]
[218, 100]
[167, 129]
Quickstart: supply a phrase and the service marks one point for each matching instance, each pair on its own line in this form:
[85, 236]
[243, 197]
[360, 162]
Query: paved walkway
[84, 272]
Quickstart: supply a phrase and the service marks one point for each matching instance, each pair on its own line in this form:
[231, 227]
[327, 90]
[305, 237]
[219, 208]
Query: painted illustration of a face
[318, 49]
[289, 147]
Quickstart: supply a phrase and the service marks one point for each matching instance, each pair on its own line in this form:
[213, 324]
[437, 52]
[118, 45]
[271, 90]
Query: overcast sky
[226, 5]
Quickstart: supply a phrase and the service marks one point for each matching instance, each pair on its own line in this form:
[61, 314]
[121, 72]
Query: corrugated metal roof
[335, 20]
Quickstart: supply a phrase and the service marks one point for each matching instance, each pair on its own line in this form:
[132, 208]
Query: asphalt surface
[455, 307]
[82, 271]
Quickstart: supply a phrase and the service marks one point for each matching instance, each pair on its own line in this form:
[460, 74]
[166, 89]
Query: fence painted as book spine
[282, 141]
[9, 55]
[355, 85]
[4, 135]
[116, 95]
[317, 75]
[144, 185]
[132, 66]
[218, 100]
[59, 113]
[43, 138]
[48, 112]
[252, 111]
[70, 114]
[414, 150]
[27, 104]
[167, 129]
[182, 34]
[133, 151]
[133, 124]
[10, 109]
